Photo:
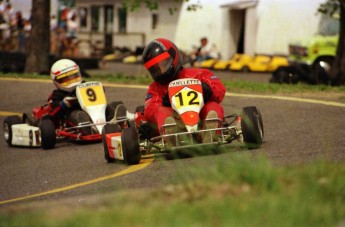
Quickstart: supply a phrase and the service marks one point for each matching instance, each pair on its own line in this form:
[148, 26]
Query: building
[248, 26]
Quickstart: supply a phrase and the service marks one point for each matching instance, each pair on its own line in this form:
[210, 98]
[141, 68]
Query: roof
[240, 4]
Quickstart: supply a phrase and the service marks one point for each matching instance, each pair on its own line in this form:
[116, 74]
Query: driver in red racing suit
[164, 62]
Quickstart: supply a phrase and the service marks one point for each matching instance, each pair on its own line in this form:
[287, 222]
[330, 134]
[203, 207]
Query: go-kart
[38, 129]
[186, 97]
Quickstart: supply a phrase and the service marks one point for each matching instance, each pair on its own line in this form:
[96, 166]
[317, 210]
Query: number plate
[186, 95]
[91, 94]
[186, 99]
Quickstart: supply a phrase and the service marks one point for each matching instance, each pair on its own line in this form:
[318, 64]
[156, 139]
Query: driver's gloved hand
[206, 91]
[68, 102]
[166, 100]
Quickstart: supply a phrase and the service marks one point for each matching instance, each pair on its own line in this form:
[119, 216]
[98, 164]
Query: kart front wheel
[130, 145]
[111, 110]
[7, 127]
[252, 126]
[110, 128]
[139, 109]
[48, 134]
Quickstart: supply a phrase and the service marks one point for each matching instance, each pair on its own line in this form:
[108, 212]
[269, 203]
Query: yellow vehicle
[276, 62]
[208, 63]
[224, 64]
[221, 64]
[259, 63]
[246, 63]
[239, 62]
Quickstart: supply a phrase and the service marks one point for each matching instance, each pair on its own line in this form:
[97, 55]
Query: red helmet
[163, 60]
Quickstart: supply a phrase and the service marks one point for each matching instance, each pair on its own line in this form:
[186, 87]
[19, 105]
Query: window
[108, 19]
[154, 21]
[122, 12]
[83, 17]
[329, 25]
[95, 13]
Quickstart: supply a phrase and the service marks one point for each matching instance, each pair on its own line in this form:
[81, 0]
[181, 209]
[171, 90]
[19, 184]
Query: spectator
[64, 17]
[72, 26]
[54, 35]
[72, 41]
[204, 52]
[53, 23]
[8, 13]
[18, 25]
[2, 5]
[3, 27]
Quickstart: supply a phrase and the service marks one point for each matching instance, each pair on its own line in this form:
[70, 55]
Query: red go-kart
[38, 130]
[139, 139]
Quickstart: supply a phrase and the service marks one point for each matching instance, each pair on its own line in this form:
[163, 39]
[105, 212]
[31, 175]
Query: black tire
[252, 126]
[7, 127]
[110, 111]
[130, 146]
[48, 133]
[80, 116]
[285, 75]
[110, 128]
[321, 69]
[139, 109]
[245, 69]
[30, 120]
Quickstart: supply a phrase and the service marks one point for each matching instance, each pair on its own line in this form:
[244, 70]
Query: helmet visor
[161, 67]
[68, 78]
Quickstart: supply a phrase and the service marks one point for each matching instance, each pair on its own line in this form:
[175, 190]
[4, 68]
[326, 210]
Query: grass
[239, 191]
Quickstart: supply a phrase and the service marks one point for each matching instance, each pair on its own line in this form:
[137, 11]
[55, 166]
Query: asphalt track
[296, 131]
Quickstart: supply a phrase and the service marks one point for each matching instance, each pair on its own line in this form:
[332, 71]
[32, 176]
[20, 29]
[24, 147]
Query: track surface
[295, 133]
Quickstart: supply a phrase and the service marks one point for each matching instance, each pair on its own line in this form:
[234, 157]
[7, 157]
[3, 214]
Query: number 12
[191, 101]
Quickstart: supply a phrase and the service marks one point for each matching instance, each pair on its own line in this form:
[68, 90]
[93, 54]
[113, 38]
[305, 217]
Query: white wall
[192, 25]
[273, 23]
[281, 21]
[141, 21]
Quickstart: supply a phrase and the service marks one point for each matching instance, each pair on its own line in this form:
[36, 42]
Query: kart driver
[163, 60]
[62, 101]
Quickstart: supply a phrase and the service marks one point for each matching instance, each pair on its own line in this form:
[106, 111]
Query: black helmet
[163, 60]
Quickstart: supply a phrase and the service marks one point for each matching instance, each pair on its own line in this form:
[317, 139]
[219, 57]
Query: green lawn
[242, 191]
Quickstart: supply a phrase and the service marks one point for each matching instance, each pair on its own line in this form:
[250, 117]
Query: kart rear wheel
[48, 134]
[252, 126]
[130, 145]
[110, 128]
[7, 127]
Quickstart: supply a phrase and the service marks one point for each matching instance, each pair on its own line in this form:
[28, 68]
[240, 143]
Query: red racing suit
[156, 113]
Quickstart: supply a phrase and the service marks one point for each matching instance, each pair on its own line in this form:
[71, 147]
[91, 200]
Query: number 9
[92, 95]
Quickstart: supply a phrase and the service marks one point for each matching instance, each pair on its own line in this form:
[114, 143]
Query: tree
[338, 69]
[37, 60]
[331, 7]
